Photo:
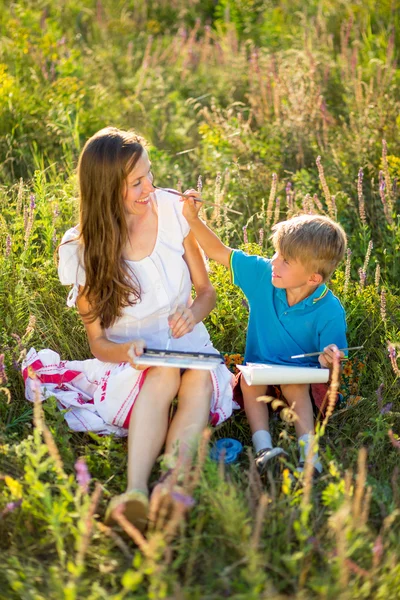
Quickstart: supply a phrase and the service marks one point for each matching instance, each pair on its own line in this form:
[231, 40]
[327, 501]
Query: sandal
[265, 457]
[136, 508]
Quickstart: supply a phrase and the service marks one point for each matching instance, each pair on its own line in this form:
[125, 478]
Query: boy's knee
[295, 390]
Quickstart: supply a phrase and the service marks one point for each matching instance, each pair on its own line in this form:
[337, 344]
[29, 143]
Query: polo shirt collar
[319, 293]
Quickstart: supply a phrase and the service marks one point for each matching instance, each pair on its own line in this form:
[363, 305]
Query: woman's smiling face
[138, 186]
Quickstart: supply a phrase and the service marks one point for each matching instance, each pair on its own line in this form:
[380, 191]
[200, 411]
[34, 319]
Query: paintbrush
[196, 199]
[321, 352]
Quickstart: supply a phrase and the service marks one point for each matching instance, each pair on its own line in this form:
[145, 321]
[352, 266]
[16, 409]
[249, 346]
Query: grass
[247, 95]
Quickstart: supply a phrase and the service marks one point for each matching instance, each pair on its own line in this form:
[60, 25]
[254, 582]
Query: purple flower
[33, 203]
[10, 507]
[187, 501]
[82, 474]
[245, 304]
[387, 408]
[8, 245]
[3, 374]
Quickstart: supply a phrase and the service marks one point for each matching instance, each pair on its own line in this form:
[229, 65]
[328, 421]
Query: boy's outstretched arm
[211, 244]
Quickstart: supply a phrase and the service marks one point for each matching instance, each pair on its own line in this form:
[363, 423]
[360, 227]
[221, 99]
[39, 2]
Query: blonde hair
[317, 242]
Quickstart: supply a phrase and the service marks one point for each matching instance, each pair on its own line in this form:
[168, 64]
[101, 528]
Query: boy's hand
[136, 349]
[181, 322]
[191, 207]
[326, 359]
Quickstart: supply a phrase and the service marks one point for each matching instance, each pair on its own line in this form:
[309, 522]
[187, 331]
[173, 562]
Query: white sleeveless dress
[99, 396]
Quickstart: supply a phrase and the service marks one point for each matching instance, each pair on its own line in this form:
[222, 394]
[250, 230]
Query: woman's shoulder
[170, 212]
[70, 236]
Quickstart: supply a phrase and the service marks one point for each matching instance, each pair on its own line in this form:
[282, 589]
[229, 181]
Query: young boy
[291, 312]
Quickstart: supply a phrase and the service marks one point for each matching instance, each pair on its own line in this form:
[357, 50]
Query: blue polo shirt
[277, 331]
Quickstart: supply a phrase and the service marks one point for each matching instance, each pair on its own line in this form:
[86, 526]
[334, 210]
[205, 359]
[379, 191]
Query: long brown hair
[104, 164]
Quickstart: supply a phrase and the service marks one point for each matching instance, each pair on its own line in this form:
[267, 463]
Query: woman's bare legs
[149, 423]
[194, 399]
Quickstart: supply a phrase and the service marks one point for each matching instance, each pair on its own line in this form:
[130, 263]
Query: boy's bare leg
[256, 412]
[149, 423]
[298, 397]
[257, 415]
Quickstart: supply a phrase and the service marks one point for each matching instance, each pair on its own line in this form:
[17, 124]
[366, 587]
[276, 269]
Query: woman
[132, 261]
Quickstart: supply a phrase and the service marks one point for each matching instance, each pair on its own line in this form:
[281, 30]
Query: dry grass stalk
[255, 487]
[262, 506]
[117, 539]
[271, 201]
[333, 390]
[89, 521]
[359, 491]
[325, 188]
[20, 195]
[40, 425]
[308, 473]
[387, 177]
[132, 531]
[338, 522]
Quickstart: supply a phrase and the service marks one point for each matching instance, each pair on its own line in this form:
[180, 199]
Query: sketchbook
[259, 374]
[184, 360]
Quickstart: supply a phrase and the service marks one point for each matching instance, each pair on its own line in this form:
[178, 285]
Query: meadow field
[271, 108]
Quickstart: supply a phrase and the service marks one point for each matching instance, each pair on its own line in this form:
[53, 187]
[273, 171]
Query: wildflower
[276, 214]
[199, 184]
[361, 203]
[289, 198]
[3, 374]
[334, 209]
[387, 408]
[377, 275]
[383, 305]
[347, 272]
[10, 507]
[382, 188]
[317, 202]
[245, 304]
[31, 325]
[184, 499]
[363, 277]
[367, 256]
[29, 222]
[393, 358]
[82, 474]
[245, 238]
[261, 237]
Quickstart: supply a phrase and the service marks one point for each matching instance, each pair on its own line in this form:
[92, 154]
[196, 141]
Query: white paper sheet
[259, 374]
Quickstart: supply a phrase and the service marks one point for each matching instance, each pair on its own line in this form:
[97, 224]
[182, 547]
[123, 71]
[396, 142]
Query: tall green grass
[247, 95]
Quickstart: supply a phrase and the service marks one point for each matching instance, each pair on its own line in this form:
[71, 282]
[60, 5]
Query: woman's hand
[136, 349]
[191, 207]
[181, 322]
[326, 359]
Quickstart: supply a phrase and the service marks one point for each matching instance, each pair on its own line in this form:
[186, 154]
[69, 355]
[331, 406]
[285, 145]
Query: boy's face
[291, 274]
